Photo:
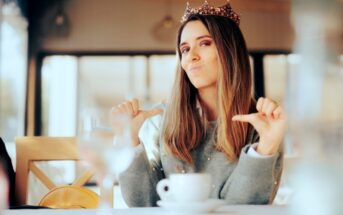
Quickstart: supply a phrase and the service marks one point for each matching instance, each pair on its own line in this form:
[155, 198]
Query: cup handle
[163, 189]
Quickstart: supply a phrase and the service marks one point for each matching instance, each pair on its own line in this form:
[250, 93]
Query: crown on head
[206, 10]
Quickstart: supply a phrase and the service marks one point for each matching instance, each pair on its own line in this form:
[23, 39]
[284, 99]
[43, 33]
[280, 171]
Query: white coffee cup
[191, 187]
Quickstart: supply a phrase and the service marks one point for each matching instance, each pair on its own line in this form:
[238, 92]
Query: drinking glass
[104, 142]
[315, 116]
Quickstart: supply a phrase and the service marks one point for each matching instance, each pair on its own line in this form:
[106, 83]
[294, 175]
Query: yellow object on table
[68, 197]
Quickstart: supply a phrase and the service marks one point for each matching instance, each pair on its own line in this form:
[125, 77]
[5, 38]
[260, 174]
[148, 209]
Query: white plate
[204, 206]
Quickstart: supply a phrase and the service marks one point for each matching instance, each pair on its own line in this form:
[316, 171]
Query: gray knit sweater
[248, 180]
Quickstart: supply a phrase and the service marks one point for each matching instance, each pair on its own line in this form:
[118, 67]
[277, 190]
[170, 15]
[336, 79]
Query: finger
[121, 108]
[266, 103]
[254, 119]
[278, 112]
[264, 106]
[150, 113]
[259, 104]
[128, 108]
[244, 118]
[269, 108]
[135, 106]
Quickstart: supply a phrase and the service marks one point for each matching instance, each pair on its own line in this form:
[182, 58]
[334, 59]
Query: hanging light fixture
[165, 30]
[59, 24]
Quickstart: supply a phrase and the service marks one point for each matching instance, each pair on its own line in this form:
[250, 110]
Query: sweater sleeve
[138, 182]
[254, 180]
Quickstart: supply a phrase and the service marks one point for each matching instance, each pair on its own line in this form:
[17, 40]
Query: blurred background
[59, 56]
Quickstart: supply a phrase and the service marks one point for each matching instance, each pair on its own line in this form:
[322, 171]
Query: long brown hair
[183, 126]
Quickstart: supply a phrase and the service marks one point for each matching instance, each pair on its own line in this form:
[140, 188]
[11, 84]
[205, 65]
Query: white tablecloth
[229, 210]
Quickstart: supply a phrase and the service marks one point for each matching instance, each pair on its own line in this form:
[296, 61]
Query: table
[225, 210]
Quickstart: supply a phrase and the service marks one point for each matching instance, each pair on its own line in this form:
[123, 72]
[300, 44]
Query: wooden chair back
[39, 148]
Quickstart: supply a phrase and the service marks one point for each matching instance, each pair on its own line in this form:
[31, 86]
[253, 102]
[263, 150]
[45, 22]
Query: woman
[212, 123]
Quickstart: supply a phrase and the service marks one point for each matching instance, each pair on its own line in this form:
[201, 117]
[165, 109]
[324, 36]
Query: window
[275, 76]
[71, 83]
[59, 79]
[13, 64]
[162, 74]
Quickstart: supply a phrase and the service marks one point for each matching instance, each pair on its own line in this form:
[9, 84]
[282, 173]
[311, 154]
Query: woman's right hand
[136, 115]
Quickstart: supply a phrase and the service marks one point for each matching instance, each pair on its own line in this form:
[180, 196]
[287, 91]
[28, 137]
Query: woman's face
[199, 55]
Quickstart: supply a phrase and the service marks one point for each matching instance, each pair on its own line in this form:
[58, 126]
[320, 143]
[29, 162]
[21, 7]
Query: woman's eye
[184, 50]
[205, 43]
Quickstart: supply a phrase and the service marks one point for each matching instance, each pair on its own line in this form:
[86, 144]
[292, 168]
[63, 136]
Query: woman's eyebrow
[198, 38]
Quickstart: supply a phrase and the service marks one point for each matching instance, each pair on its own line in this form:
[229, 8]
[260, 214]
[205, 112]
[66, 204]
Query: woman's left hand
[269, 122]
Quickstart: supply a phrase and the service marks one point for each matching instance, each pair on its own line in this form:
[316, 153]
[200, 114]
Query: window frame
[257, 67]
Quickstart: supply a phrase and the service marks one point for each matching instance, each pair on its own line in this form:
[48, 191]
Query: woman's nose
[193, 55]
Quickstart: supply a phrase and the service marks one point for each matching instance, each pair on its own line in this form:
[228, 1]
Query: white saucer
[203, 206]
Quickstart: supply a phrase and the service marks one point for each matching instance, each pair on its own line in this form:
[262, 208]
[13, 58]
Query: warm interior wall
[124, 25]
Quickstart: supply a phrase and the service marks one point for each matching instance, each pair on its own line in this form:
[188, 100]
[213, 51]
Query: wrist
[134, 136]
[135, 140]
[266, 149]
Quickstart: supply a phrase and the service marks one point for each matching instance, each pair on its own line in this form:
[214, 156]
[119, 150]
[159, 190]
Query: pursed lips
[194, 68]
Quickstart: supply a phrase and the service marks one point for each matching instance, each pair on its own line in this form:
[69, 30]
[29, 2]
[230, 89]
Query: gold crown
[206, 10]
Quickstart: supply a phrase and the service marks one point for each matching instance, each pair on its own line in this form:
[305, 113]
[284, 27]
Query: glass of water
[104, 142]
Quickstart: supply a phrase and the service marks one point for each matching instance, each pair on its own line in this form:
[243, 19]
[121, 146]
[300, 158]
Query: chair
[38, 148]
[6, 163]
